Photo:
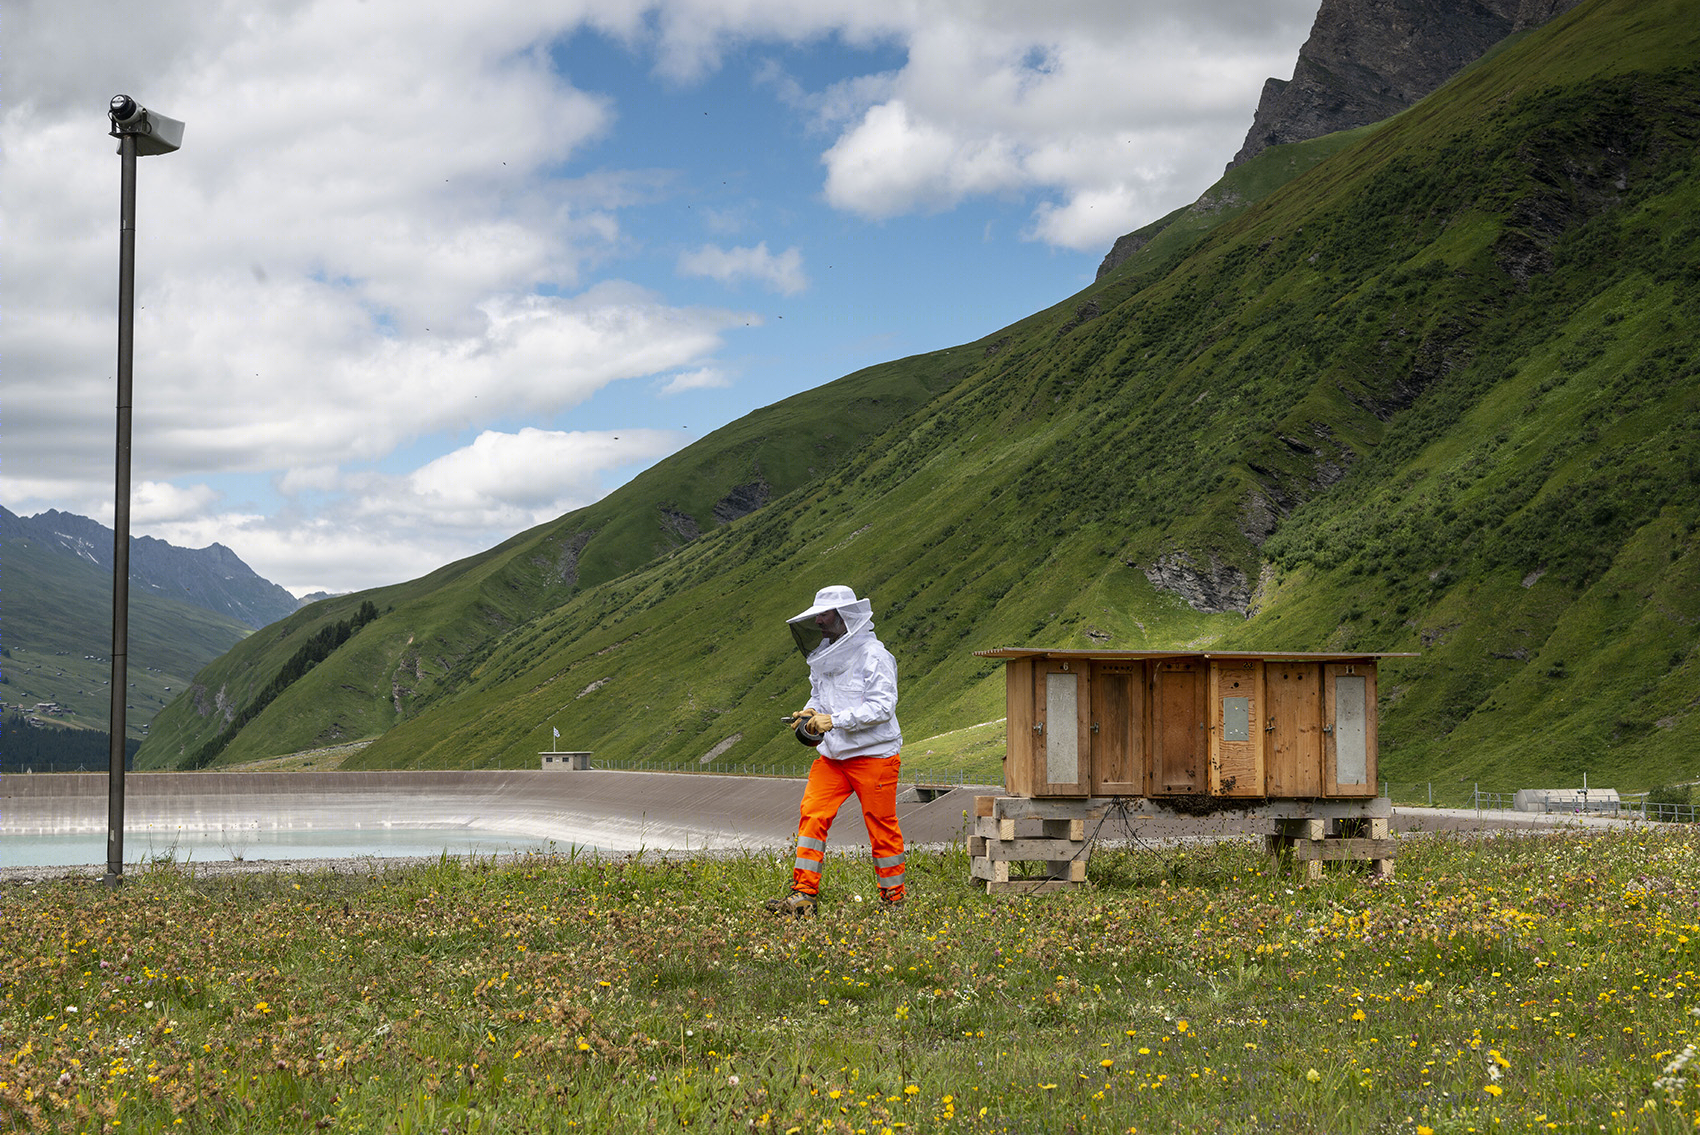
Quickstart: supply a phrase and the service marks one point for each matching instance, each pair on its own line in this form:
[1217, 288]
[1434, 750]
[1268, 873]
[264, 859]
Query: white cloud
[160, 502]
[529, 476]
[367, 239]
[384, 528]
[363, 242]
[892, 163]
[342, 256]
[304, 554]
[782, 273]
[1114, 114]
[1090, 219]
[703, 378]
[1123, 108]
[294, 375]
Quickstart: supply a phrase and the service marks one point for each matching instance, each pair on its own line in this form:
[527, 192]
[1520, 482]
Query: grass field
[1542, 983]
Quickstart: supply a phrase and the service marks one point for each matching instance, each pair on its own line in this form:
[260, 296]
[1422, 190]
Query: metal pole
[121, 514]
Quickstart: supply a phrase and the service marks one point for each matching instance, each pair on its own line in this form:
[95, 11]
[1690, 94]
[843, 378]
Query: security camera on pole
[139, 131]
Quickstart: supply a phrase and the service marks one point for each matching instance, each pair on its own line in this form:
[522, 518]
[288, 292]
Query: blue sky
[426, 274]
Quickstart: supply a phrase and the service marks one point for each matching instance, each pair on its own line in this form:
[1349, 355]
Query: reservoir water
[191, 847]
[60, 819]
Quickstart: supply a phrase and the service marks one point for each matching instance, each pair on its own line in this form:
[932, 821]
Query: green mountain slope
[47, 640]
[1434, 390]
[437, 629]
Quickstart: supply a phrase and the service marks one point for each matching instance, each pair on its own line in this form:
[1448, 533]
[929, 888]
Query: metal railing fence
[1660, 812]
[1440, 794]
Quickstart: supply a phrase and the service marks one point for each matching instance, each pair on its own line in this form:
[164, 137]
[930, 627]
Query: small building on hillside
[1567, 800]
[565, 761]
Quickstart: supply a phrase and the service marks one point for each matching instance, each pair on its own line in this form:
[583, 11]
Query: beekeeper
[851, 721]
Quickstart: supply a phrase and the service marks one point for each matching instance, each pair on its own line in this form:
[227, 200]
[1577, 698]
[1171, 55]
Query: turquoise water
[221, 847]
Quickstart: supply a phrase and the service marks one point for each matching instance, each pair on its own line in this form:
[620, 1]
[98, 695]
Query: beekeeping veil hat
[858, 615]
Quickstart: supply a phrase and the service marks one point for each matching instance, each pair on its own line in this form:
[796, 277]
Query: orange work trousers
[874, 781]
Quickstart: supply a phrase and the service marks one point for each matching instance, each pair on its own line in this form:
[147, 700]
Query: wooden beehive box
[1240, 725]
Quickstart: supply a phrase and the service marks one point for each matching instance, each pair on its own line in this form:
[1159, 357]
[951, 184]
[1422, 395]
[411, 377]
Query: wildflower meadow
[1518, 983]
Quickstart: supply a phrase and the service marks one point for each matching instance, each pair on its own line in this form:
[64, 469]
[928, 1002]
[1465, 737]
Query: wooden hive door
[1021, 751]
[1177, 728]
[1062, 722]
[1348, 729]
[1118, 738]
[1236, 766]
[1292, 692]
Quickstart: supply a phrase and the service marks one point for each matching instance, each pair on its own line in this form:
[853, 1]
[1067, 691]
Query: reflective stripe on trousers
[873, 780]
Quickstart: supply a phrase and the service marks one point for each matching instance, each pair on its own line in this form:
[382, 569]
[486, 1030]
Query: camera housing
[154, 132]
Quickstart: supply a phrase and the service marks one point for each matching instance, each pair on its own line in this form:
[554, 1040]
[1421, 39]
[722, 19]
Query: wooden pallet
[1011, 830]
[1308, 834]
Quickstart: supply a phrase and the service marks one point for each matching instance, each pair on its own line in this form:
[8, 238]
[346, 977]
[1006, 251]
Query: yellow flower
[1357, 1014]
[1181, 1026]
[1494, 1090]
[1314, 1076]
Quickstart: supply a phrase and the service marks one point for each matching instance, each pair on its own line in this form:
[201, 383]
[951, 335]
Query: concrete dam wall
[615, 811]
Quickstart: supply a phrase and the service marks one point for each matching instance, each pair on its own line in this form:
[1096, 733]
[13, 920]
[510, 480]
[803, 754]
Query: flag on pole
[557, 732]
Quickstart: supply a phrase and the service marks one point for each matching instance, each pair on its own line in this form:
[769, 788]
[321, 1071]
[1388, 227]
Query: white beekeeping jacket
[853, 678]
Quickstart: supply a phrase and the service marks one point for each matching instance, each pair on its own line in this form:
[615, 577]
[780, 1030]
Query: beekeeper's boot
[794, 905]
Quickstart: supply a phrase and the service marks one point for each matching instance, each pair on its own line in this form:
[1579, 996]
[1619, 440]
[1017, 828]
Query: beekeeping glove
[820, 723]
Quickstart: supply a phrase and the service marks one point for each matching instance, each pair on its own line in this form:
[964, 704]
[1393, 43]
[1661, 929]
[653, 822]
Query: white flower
[1670, 1081]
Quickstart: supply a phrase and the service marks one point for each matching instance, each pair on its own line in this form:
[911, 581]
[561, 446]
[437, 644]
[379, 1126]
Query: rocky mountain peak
[213, 577]
[1366, 60]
